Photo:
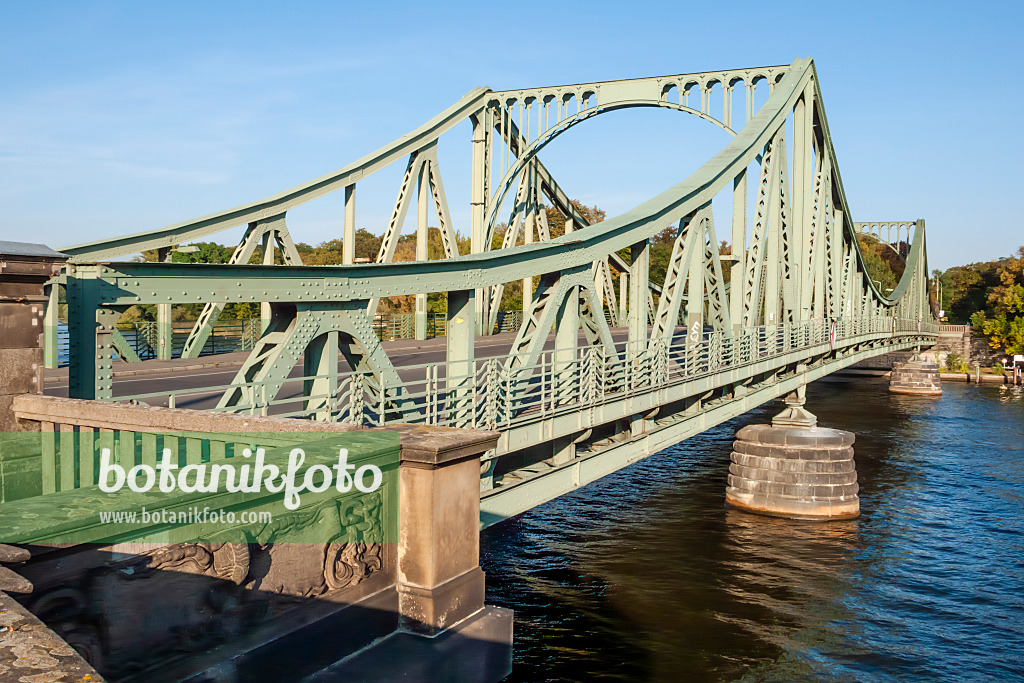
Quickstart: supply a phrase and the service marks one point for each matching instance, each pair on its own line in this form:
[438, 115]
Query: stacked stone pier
[793, 468]
[916, 376]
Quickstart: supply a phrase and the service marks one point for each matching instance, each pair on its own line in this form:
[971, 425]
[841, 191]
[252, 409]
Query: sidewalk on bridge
[228, 360]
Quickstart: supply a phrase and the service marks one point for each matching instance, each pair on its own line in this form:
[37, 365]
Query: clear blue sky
[120, 117]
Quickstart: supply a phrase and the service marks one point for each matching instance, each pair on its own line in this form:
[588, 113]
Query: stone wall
[24, 269]
[883, 361]
[981, 353]
[954, 339]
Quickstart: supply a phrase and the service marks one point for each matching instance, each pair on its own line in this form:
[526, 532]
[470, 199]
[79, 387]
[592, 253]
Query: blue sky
[121, 117]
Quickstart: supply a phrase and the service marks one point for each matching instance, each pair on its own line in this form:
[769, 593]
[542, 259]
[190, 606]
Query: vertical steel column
[567, 327]
[739, 248]
[320, 361]
[695, 293]
[268, 260]
[639, 274]
[727, 104]
[623, 298]
[478, 207]
[90, 336]
[164, 330]
[925, 303]
[529, 219]
[773, 261]
[801, 134]
[850, 285]
[461, 328]
[348, 238]
[696, 277]
[802, 196]
[421, 249]
[51, 326]
[567, 388]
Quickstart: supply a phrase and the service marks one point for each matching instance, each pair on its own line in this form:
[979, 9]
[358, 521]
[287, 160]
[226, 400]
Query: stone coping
[795, 436]
[432, 445]
[29, 651]
[130, 417]
[436, 446]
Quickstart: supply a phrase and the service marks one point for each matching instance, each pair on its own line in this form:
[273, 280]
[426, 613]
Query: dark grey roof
[28, 249]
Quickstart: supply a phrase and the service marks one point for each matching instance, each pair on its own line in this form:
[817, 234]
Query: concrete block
[21, 472]
[429, 611]
[22, 324]
[8, 422]
[21, 371]
[439, 578]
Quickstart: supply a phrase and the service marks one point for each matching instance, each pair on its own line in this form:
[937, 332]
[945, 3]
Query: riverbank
[987, 378]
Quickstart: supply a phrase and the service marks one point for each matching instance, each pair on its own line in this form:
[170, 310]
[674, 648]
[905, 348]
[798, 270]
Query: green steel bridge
[594, 378]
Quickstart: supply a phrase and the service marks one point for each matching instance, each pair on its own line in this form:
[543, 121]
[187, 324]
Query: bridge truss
[724, 333]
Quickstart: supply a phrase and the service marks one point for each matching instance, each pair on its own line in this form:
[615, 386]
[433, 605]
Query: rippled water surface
[645, 575]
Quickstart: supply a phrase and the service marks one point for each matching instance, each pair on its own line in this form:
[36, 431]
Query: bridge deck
[204, 380]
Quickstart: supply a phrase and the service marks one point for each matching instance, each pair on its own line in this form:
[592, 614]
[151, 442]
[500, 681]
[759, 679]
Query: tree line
[990, 297]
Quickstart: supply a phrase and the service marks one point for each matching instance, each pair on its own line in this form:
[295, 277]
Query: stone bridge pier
[793, 468]
[916, 376]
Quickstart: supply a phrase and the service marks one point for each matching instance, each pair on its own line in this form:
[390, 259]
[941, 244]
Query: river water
[646, 576]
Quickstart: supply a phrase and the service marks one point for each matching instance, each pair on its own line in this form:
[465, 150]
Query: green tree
[1002, 320]
[205, 252]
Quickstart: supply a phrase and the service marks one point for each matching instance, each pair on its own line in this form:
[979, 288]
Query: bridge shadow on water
[645, 575]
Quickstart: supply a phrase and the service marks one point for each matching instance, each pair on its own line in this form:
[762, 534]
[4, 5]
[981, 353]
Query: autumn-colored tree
[556, 221]
[881, 262]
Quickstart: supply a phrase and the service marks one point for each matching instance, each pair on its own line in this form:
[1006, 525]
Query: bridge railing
[134, 434]
[494, 397]
[226, 336]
